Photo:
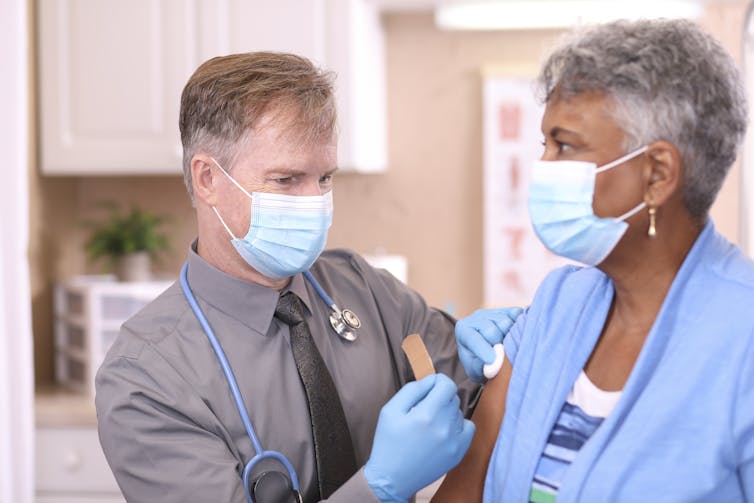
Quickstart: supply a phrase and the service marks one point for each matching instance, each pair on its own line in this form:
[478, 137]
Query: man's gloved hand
[421, 434]
[478, 333]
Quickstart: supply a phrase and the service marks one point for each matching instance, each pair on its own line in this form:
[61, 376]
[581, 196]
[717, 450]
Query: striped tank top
[582, 413]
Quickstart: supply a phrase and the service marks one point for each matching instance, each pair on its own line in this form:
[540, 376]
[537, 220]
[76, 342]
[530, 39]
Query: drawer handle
[72, 461]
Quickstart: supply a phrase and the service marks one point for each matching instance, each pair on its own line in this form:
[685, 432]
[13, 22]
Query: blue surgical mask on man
[286, 233]
[560, 207]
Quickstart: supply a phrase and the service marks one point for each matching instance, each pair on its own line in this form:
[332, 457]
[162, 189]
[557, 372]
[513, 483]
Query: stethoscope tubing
[261, 454]
[320, 291]
[345, 322]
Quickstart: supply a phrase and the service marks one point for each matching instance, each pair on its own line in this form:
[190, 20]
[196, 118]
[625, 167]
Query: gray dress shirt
[167, 421]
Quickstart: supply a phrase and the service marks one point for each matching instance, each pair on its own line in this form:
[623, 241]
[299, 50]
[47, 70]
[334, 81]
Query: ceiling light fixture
[544, 14]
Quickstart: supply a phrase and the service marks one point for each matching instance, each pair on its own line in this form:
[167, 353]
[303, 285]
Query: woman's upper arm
[465, 483]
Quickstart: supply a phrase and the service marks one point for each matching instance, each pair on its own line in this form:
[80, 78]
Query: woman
[632, 380]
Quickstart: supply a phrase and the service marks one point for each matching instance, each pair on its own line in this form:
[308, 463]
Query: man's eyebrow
[284, 170]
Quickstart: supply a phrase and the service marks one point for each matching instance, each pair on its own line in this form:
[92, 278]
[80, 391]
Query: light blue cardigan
[683, 429]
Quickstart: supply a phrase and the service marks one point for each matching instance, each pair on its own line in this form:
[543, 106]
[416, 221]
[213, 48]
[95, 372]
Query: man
[258, 133]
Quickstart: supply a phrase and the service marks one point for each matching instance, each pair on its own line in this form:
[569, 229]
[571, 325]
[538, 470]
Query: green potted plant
[128, 241]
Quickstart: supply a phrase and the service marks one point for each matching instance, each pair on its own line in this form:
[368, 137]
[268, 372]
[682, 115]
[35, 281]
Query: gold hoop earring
[652, 232]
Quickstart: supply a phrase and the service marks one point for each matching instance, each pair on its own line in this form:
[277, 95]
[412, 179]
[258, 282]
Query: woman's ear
[663, 173]
[203, 179]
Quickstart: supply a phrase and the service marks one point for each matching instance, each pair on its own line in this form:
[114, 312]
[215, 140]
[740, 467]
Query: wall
[725, 20]
[60, 208]
[428, 206]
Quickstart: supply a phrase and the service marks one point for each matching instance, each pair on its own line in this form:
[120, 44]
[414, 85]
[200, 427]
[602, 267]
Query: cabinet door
[355, 50]
[111, 73]
[345, 36]
[69, 461]
[294, 26]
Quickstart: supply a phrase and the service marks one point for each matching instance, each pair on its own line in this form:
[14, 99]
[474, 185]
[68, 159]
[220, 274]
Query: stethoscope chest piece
[274, 486]
[351, 319]
[344, 323]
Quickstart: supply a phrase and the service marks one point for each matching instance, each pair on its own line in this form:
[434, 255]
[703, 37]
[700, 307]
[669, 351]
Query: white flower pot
[134, 267]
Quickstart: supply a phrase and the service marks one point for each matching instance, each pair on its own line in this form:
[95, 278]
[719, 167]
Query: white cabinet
[111, 73]
[110, 76]
[345, 36]
[69, 464]
[355, 51]
[296, 26]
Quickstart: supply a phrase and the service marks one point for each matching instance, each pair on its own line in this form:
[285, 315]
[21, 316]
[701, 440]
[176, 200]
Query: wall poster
[515, 261]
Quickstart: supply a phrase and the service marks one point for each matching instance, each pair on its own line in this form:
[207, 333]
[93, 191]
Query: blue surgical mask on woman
[286, 233]
[560, 207]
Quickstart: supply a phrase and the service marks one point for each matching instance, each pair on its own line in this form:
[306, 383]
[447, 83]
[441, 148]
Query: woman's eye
[325, 179]
[563, 147]
[554, 147]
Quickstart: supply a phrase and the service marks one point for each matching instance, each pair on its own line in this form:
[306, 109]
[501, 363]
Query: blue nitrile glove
[421, 434]
[476, 334]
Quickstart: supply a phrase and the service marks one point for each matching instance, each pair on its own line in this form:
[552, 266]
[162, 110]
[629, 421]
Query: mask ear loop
[616, 162]
[621, 160]
[632, 212]
[222, 221]
[231, 178]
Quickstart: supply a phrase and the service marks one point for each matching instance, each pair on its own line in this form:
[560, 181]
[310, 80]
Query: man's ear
[204, 179]
[662, 173]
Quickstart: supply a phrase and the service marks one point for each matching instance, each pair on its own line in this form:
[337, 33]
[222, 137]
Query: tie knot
[290, 309]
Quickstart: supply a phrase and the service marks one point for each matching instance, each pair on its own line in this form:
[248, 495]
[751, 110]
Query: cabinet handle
[72, 461]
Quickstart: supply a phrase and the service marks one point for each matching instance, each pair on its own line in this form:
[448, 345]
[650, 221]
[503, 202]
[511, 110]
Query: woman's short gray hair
[668, 80]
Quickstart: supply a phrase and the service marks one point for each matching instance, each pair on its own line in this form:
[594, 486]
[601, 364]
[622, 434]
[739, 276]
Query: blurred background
[98, 122]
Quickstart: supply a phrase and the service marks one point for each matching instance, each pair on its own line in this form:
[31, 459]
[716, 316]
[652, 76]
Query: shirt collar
[251, 303]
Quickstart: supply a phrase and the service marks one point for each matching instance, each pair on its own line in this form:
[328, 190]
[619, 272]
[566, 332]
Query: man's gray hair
[668, 80]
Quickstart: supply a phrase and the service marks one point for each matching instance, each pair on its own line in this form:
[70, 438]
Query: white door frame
[16, 361]
[747, 163]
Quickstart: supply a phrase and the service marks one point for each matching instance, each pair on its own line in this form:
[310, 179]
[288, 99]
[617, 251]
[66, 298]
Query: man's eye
[326, 179]
[284, 179]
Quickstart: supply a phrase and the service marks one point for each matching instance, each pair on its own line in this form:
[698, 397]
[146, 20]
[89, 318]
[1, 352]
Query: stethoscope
[343, 323]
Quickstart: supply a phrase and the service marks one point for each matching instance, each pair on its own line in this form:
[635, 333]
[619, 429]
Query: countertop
[58, 406]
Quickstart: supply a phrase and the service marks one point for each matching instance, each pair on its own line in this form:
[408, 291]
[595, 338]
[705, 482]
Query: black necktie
[333, 449]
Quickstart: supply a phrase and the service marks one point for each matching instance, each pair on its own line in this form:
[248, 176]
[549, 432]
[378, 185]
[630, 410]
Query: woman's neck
[642, 275]
[643, 270]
